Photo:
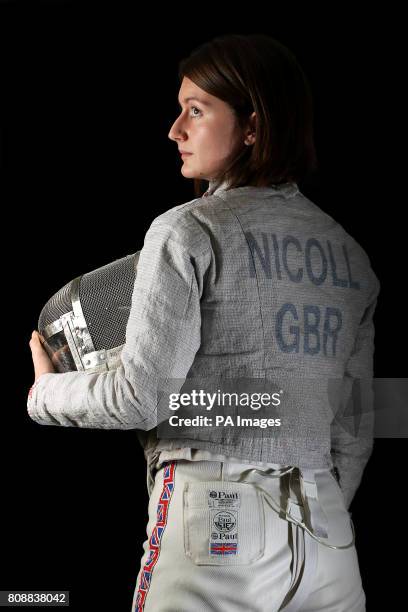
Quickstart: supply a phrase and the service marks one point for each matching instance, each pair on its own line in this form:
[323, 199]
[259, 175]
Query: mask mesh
[105, 296]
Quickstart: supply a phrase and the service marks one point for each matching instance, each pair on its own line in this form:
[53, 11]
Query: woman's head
[207, 128]
[253, 121]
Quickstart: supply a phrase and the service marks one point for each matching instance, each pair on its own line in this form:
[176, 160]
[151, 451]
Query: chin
[187, 173]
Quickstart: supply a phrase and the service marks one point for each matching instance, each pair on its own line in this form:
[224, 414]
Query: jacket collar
[215, 186]
[286, 189]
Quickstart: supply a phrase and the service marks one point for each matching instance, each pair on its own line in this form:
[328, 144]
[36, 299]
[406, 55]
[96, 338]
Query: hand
[42, 363]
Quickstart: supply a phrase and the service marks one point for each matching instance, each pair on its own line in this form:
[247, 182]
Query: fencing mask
[84, 324]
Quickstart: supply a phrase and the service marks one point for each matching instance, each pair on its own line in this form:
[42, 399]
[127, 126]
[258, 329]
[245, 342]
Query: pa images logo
[224, 521]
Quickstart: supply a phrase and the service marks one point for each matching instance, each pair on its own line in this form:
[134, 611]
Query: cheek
[229, 137]
[215, 143]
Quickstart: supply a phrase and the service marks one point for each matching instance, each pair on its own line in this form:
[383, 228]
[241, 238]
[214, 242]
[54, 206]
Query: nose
[175, 130]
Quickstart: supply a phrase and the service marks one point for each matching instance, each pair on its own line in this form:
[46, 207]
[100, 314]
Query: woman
[256, 286]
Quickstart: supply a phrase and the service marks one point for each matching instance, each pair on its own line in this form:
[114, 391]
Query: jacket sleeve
[352, 430]
[162, 338]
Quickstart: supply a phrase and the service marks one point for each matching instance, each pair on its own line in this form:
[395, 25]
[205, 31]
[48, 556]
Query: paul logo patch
[225, 521]
[223, 527]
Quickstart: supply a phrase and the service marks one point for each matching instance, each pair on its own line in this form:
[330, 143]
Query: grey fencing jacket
[250, 282]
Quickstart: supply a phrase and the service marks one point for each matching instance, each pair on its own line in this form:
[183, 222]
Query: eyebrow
[197, 99]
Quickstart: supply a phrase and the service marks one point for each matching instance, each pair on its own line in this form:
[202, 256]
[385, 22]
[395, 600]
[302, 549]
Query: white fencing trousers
[216, 543]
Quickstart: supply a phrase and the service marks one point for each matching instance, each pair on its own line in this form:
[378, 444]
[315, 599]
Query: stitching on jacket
[257, 285]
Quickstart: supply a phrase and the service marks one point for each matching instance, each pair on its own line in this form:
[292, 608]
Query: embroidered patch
[223, 522]
[223, 499]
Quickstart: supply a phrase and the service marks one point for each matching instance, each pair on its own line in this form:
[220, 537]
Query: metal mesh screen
[58, 305]
[106, 298]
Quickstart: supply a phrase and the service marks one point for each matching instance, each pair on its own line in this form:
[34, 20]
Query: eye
[197, 109]
[192, 108]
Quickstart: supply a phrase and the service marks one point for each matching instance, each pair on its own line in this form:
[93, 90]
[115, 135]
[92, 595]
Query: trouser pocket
[223, 523]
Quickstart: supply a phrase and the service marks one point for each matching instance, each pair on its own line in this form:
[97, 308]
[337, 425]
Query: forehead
[191, 91]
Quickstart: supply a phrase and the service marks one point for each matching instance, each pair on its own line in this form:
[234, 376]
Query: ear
[250, 130]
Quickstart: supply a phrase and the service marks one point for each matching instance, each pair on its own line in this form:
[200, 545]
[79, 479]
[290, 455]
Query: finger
[38, 336]
[35, 343]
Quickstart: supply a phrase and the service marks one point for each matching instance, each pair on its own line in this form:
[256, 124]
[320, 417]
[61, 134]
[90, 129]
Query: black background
[89, 94]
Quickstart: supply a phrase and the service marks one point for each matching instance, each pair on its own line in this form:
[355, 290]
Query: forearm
[78, 399]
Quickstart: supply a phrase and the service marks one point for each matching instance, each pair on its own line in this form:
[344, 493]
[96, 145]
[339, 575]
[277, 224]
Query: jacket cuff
[31, 402]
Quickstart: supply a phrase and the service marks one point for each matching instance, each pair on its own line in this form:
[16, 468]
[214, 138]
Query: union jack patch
[223, 549]
[157, 533]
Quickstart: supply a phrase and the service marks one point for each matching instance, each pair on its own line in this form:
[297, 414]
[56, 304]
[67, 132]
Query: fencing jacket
[250, 282]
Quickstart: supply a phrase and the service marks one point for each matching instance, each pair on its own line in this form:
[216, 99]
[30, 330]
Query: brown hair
[254, 72]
